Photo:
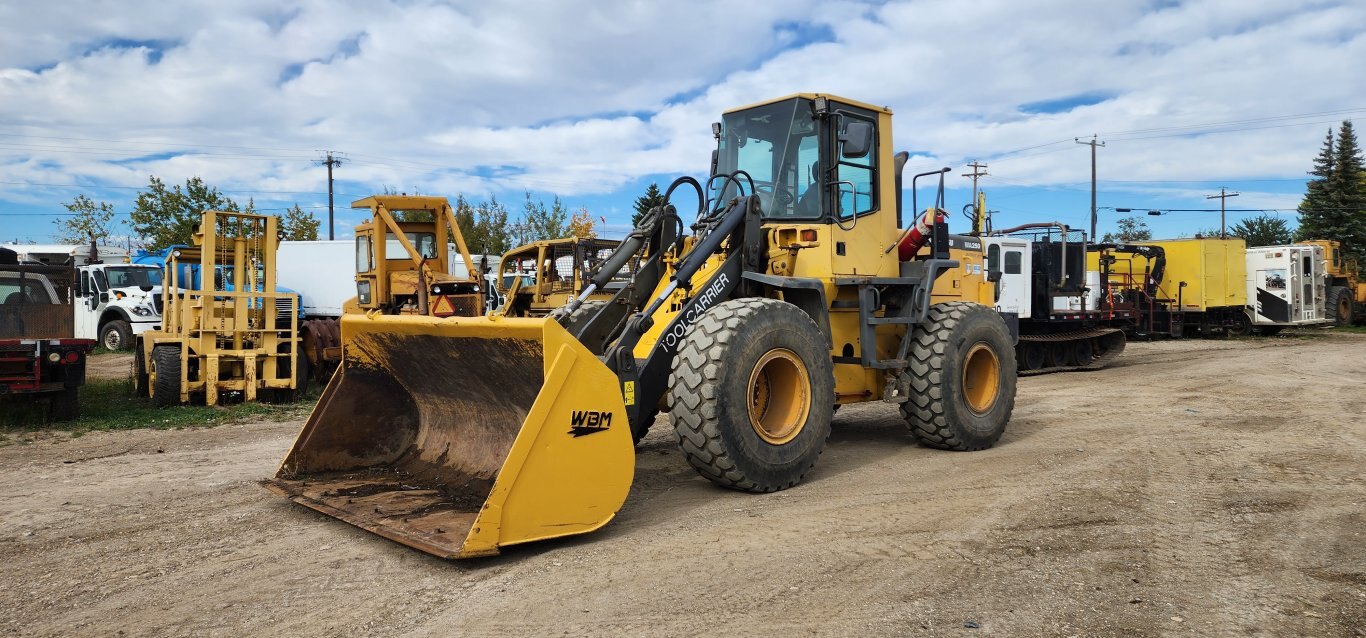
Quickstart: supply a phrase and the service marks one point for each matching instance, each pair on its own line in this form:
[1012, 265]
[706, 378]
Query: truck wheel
[65, 405]
[962, 378]
[1339, 306]
[578, 317]
[752, 393]
[116, 335]
[166, 383]
[140, 376]
[1242, 324]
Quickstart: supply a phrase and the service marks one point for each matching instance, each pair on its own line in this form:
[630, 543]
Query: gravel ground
[1194, 488]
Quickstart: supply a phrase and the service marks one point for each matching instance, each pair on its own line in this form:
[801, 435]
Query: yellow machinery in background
[225, 331]
[402, 267]
[541, 276]
[1346, 288]
[796, 292]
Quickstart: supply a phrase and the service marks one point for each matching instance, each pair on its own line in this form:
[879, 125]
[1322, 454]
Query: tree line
[166, 215]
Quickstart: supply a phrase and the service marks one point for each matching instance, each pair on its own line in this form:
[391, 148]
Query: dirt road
[1195, 488]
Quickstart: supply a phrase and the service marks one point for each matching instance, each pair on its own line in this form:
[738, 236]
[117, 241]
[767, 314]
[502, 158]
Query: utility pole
[1093, 144]
[1223, 197]
[978, 170]
[331, 161]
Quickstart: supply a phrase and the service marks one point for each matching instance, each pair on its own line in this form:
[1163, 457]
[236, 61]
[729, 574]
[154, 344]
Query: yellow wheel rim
[779, 394]
[981, 378]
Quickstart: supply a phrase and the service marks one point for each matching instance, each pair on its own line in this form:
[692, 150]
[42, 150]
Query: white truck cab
[116, 301]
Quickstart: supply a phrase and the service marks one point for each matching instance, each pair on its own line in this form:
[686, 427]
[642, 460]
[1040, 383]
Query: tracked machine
[458, 436]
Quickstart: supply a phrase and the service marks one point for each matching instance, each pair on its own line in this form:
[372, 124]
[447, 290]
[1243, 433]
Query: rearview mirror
[856, 139]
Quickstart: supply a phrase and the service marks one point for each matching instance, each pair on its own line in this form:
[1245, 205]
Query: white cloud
[584, 97]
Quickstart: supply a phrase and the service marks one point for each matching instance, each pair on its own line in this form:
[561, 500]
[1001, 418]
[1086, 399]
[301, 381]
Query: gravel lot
[1194, 488]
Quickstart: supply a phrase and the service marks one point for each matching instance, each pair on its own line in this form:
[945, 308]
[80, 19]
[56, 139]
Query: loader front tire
[166, 384]
[751, 394]
[962, 378]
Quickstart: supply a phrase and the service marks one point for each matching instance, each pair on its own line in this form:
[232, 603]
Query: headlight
[143, 311]
[54, 357]
[363, 292]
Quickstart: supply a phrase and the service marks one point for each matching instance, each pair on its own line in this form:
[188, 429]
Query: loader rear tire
[1340, 306]
[962, 378]
[752, 393]
[166, 385]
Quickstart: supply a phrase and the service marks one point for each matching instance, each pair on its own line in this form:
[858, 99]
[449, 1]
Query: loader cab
[818, 163]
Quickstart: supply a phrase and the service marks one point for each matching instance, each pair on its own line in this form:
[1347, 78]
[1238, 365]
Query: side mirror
[856, 139]
[993, 275]
[104, 297]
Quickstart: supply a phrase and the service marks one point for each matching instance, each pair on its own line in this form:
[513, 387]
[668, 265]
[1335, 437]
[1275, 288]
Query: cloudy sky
[592, 100]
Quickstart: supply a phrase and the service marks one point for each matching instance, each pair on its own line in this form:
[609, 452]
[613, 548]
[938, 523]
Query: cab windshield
[779, 147]
[132, 276]
[425, 243]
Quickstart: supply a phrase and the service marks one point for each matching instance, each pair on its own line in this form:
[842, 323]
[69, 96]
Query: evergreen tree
[1334, 200]
[651, 199]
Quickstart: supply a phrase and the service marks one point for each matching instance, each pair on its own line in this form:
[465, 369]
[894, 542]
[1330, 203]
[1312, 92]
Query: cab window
[857, 176]
[365, 259]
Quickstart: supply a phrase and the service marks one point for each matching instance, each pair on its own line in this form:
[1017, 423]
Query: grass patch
[1359, 330]
[108, 404]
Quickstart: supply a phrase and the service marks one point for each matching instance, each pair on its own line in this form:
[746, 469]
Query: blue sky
[592, 101]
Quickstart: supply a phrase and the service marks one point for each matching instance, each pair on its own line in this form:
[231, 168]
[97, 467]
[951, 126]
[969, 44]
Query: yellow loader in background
[542, 276]
[458, 436]
[402, 268]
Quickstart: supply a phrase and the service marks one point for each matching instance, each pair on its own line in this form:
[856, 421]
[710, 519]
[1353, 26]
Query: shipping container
[1286, 285]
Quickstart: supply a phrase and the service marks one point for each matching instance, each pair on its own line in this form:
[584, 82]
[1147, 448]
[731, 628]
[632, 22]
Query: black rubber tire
[166, 365]
[585, 310]
[937, 411]
[116, 335]
[1242, 325]
[65, 405]
[1031, 355]
[1083, 352]
[301, 379]
[709, 385]
[1340, 308]
[141, 379]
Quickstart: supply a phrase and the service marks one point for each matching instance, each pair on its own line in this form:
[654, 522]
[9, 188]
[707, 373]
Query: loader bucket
[458, 436]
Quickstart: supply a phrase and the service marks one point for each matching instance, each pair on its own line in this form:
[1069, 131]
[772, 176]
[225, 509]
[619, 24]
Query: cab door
[87, 306]
[1008, 262]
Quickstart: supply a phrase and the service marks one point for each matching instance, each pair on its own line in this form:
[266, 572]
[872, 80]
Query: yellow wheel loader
[402, 267]
[458, 436]
[542, 276]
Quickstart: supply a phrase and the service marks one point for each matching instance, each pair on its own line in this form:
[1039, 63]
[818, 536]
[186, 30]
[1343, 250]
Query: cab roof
[812, 96]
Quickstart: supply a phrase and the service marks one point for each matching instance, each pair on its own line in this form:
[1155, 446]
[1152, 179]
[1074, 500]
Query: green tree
[90, 221]
[166, 216]
[299, 225]
[644, 203]
[539, 222]
[1263, 230]
[484, 225]
[1334, 200]
[1130, 229]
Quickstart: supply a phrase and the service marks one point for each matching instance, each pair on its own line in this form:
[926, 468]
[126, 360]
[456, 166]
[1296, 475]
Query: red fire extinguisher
[919, 234]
